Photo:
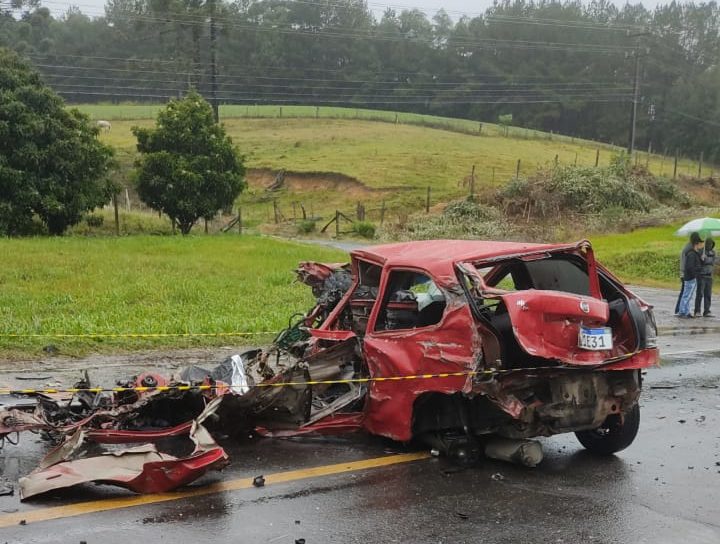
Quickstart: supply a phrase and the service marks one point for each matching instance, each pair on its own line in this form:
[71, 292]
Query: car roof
[440, 256]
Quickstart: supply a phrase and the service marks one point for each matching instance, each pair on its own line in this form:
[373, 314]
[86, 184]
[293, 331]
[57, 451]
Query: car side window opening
[411, 300]
[550, 274]
[364, 296]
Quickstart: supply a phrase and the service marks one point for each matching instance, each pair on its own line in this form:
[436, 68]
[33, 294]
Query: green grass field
[149, 284]
[642, 257]
[203, 284]
[394, 163]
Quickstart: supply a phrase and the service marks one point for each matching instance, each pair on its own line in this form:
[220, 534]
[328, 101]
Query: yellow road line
[91, 507]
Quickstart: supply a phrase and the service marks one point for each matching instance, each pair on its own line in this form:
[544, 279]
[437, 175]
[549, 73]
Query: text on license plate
[595, 339]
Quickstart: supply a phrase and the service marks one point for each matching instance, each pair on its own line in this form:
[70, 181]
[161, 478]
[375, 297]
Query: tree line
[565, 66]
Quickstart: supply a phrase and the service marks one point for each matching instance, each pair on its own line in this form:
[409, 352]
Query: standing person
[693, 266]
[705, 280]
[685, 249]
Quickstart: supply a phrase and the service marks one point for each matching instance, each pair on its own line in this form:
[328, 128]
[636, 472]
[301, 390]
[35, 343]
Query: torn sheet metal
[142, 469]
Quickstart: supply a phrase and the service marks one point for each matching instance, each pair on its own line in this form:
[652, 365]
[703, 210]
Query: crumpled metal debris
[109, 436]
[142, 469]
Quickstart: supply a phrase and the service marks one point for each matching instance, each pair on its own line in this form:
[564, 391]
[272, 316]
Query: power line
[292, 94]
[468, 87]
[264, 67]
[263, 78]
[258, 100]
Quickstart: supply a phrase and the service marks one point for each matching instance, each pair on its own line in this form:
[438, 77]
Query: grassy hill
[344, 156]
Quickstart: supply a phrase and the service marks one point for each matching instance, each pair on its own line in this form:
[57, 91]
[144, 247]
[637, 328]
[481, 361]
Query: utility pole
[636, 92]
[213, 62]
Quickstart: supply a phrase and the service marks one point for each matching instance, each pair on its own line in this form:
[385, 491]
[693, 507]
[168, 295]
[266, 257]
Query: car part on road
[523, 452]
[142, 469]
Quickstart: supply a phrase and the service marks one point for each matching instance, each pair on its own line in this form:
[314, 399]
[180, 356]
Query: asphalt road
[665, 488]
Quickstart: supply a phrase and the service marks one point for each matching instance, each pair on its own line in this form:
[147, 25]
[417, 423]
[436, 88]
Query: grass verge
[643, 257]
[148, 284]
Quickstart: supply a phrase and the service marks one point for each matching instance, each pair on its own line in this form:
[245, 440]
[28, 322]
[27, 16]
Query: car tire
[613, 435]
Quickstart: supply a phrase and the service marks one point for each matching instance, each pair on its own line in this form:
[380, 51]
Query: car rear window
[558, 275]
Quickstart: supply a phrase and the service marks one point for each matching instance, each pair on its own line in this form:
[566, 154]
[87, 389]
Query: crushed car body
[464, 345]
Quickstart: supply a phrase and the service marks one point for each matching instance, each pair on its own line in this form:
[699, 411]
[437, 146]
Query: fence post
[396, 118]
[556, 159]
[281, 112]
[700, 165]
[117, 215]
[206, 224]
[337, 224]
[517, 170]
[427, 201]
[317, 112]
[239, 220]
[576, 158]
[675, 167]
[472, 182]
[275, 211]
[597, 157]
[382, 213]
[479, 128]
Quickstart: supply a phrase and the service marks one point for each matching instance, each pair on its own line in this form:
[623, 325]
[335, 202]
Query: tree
[51, 162]
[188, 166]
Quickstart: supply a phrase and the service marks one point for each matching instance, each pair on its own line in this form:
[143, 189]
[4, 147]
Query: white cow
[104, 125]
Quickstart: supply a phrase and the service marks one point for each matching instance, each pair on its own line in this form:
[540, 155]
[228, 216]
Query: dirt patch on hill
[265, 178]
[705, 190]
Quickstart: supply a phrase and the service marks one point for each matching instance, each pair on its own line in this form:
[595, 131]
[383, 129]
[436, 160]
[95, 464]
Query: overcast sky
[455, 8]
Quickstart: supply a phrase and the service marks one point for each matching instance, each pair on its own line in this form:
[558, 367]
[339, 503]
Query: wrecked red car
[470, 347]
[517, 340]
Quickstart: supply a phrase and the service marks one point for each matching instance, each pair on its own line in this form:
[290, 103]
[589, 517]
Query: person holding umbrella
[705, 226]
[691, 271]
[705, 279]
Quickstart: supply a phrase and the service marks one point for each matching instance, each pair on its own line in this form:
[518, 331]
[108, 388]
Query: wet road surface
[665, 488]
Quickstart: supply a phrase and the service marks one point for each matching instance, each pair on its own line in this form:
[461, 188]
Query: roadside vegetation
[149, 284]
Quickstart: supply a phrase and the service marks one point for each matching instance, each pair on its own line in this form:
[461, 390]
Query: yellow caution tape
[144, 389]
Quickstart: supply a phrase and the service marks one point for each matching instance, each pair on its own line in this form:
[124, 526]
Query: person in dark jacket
[692, 269]
[685, 249]
[705, 279]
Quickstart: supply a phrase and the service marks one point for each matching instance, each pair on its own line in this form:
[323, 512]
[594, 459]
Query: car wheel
[613, 435]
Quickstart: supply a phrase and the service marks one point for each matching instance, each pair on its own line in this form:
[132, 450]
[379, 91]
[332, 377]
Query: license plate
[595, 339]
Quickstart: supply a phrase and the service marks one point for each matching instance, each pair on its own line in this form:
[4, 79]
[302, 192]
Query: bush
[460, 219]
[306, 226]
[94, 220]
[574, 189]
[364, 228]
